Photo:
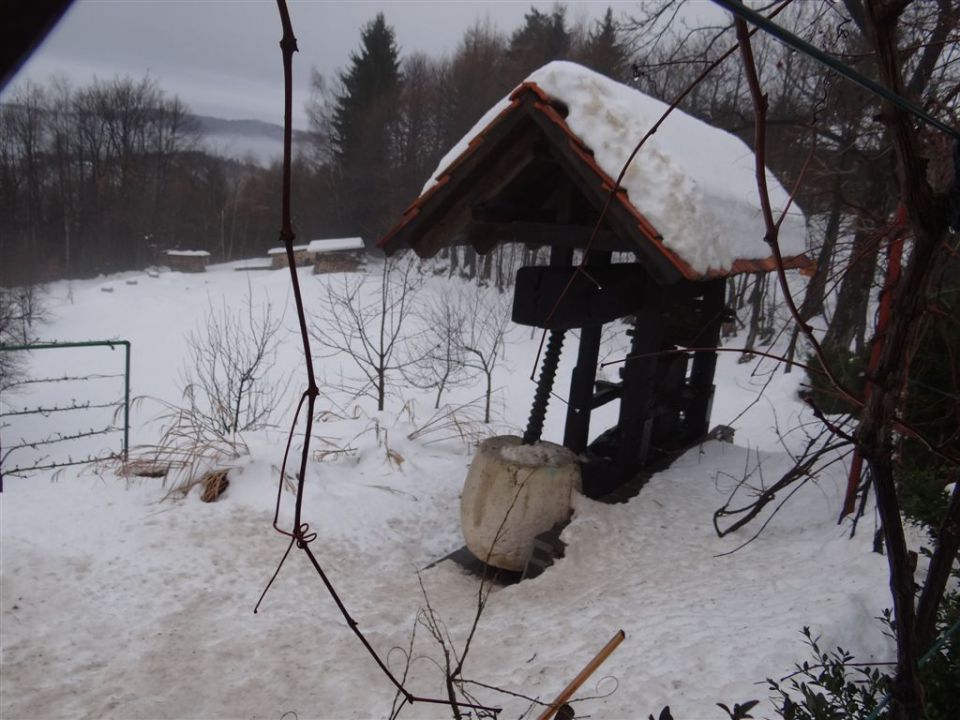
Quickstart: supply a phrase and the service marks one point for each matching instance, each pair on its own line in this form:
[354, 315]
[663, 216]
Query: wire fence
[44, 440]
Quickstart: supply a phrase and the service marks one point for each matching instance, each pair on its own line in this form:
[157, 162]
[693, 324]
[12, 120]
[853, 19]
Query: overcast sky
[222, 57]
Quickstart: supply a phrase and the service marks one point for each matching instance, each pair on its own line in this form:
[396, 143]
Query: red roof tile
[533, 97]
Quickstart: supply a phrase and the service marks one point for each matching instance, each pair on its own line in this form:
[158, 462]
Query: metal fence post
[126, 401]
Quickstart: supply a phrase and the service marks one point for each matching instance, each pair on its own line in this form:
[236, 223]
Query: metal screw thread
[548, 371]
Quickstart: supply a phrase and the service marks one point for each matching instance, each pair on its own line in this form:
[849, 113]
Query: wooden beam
[605, 392]
[577, 428]
[639, 373]
[618, 218]
[549, 234]
[562, 298]
[692, 309]
[484, 179]
[503, 213]
[484, 237]
[705, 363]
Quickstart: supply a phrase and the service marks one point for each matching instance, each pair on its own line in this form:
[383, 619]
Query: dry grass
[454, 422]
[187, 450]
[213, 484]
[142, 467]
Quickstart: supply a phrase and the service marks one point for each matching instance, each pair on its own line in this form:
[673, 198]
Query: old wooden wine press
[526, 176]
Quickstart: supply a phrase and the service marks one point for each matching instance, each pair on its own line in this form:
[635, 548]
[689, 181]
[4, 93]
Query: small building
[191, 261]
[278, 257]
[336, 255]
[539, 169]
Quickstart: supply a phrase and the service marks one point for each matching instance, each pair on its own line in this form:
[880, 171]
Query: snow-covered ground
[117, 604]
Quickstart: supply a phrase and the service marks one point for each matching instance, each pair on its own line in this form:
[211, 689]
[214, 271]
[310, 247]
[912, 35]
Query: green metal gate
[51, 440]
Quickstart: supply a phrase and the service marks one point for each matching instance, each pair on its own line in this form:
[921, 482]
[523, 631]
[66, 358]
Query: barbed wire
[47, 411]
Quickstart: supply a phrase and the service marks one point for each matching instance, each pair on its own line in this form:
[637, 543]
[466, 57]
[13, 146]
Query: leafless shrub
[752, 493]
[228, 389]
[228, 380]
[486, 320]
[187, 449]
[367, 327]
[437, 355]
[452, 422]
[462, 338]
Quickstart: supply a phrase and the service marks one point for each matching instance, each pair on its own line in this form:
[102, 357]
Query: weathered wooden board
[562, 298]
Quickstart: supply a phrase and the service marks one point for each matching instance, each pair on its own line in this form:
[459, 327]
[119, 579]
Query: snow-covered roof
[281, 250]
[335, 244]
[692, 187]
[188, 253]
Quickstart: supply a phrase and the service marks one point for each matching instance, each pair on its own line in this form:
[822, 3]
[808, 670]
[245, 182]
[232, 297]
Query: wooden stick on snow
[581, 678]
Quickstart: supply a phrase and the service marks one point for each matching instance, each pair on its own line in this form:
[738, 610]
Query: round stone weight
[514, 492]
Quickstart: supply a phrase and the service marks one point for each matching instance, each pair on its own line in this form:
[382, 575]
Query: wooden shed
[192, 261]
[336, 254]
[278, 257]
[538, 169]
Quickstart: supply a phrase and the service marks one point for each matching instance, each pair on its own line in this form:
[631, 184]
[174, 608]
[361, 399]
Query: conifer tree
[372, 79]
[543, 37]
[603, 50]
[363, 124]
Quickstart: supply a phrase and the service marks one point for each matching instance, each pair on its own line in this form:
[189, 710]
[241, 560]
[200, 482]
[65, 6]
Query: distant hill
[245, 139]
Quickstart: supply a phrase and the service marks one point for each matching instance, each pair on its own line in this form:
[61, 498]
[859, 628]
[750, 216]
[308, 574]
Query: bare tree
[436, 353]
[905, 316]
[20, 308]
[486, 318]
[229, 379]
[367, 326]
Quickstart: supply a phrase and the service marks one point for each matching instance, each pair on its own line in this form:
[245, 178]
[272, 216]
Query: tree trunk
[485, 267]
[927, 220]
[486, 408]
[850, 318]
[454, 260]
[756, 314]
[469, 262]
[816, 289]
[938, 573]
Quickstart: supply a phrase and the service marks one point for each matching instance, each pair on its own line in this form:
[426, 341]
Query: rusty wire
[301, 535]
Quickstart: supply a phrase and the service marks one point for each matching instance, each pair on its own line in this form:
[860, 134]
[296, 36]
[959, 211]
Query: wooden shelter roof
[335, 245]
[527, 177]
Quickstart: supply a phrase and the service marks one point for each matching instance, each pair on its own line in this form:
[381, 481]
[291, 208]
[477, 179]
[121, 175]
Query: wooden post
[635, 426]
[577, 428]
[705, 363]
